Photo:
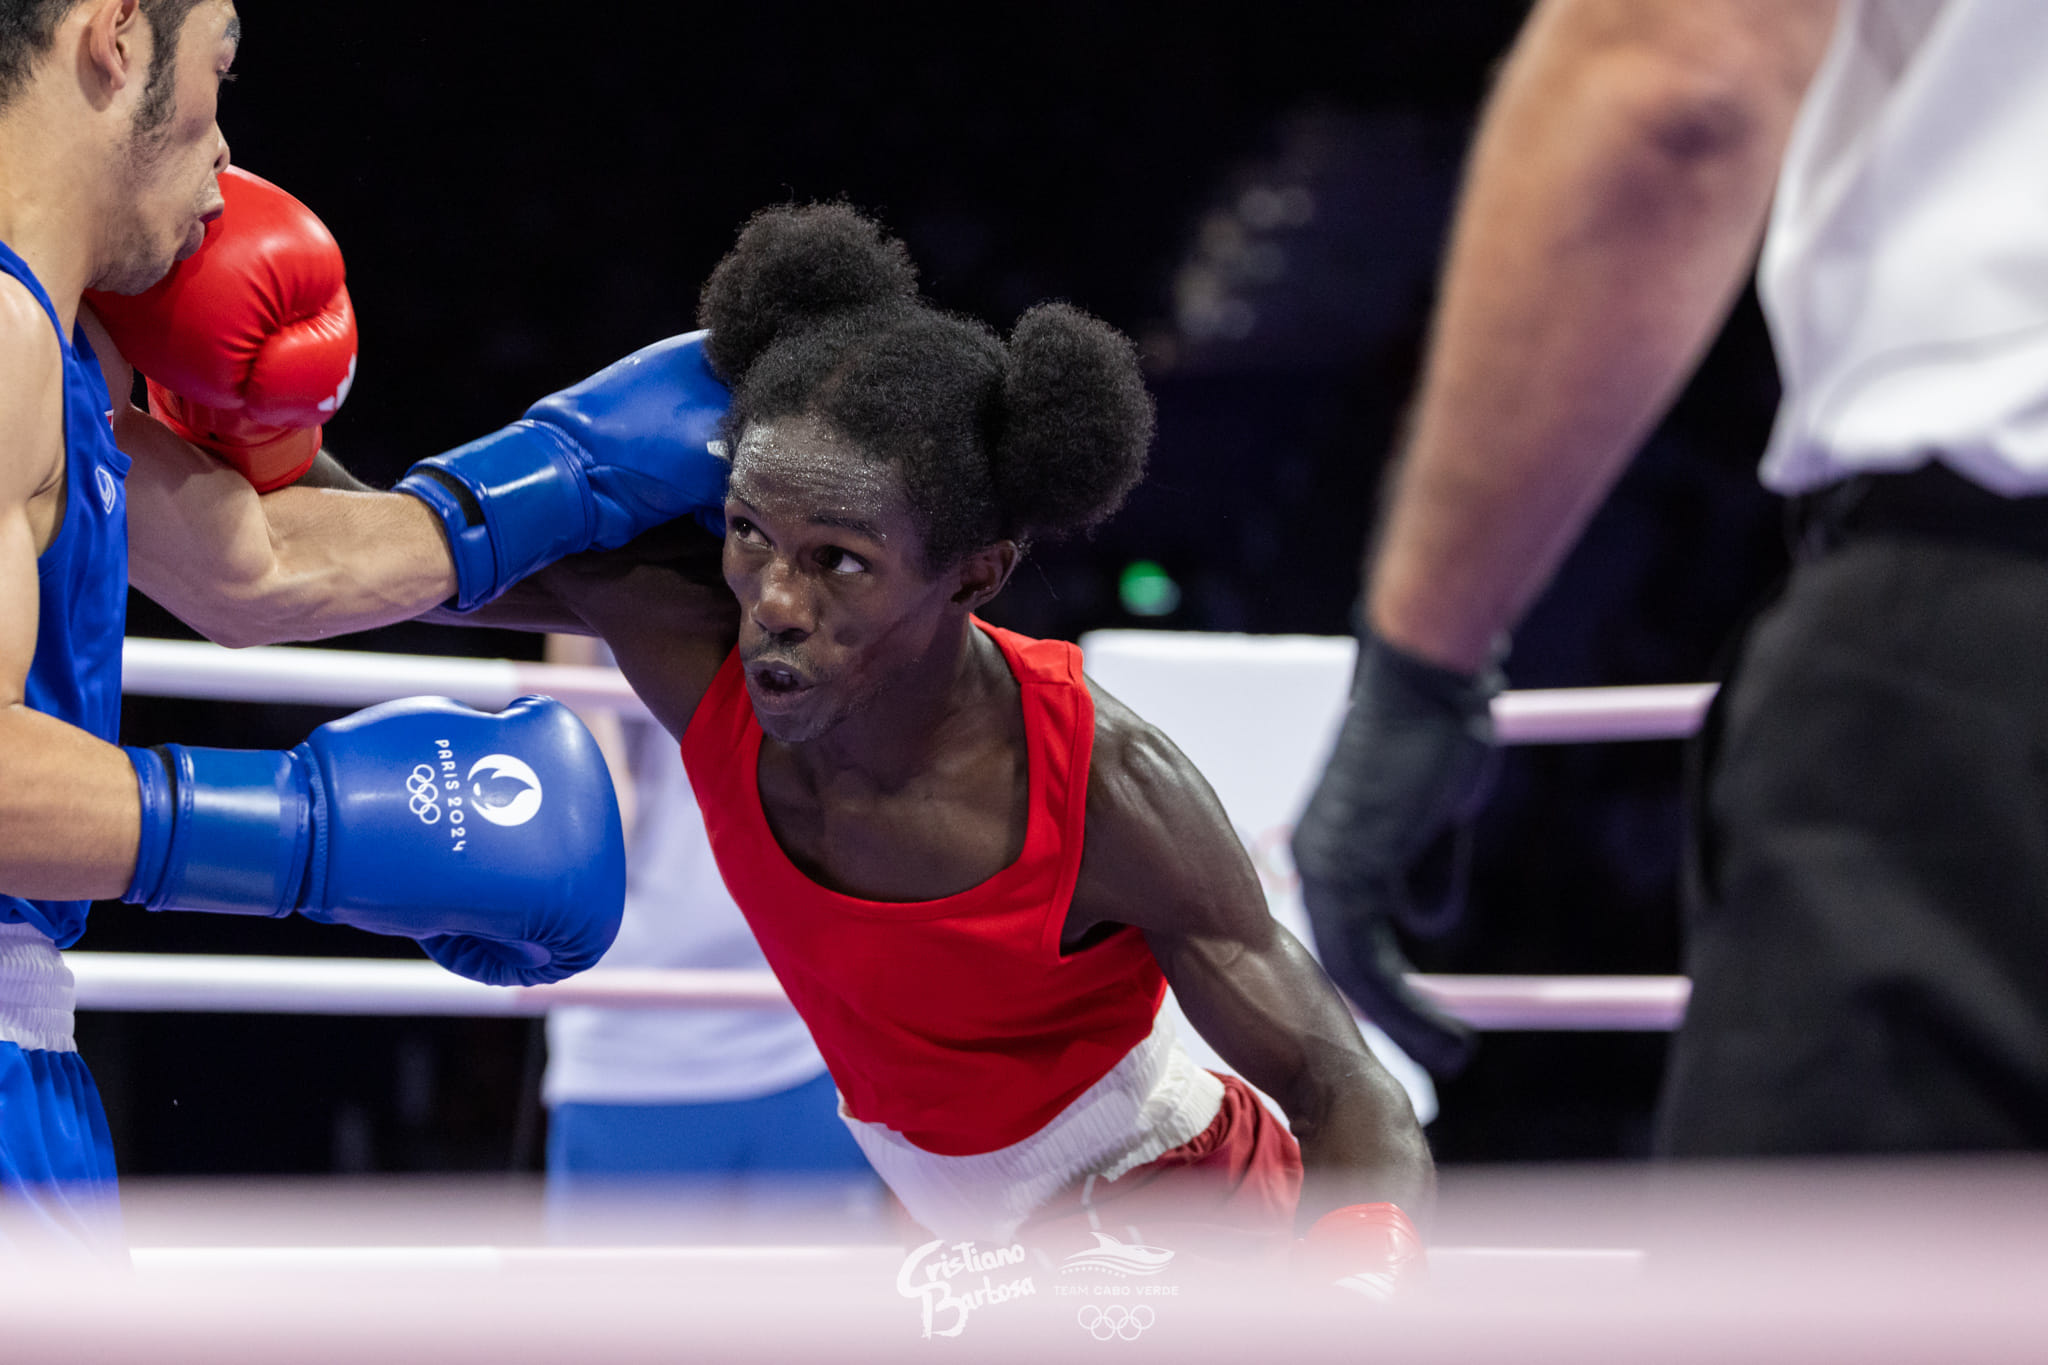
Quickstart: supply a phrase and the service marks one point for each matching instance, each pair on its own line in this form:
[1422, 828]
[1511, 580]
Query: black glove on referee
[1414, 759]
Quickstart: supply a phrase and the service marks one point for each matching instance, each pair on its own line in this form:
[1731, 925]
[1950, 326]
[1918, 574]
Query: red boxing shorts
[1228, 1194]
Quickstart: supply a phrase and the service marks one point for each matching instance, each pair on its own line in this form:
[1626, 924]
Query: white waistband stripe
[1151, 1102]
[35, 991]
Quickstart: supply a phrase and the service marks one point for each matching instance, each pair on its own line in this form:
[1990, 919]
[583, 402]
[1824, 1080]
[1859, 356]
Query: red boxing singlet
[956, 1022]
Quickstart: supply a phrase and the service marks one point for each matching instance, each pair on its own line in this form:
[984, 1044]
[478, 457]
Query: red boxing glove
[250, 344]
[1367, 1249]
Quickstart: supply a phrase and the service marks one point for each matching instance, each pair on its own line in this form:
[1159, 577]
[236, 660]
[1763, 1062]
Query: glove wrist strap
[153, 779]
[223, 830]
[512, 502]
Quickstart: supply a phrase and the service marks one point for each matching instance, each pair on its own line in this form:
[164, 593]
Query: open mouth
[776, 685]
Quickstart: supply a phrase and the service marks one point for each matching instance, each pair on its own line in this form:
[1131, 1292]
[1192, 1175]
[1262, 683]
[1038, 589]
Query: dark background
[1258, 196]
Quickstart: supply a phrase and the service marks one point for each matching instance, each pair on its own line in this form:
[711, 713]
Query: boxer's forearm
[1360, 1143]
[528, 605]
[1268, 1010]
[348, 561]
[69, 811]
[303, 563]
[1616, 192]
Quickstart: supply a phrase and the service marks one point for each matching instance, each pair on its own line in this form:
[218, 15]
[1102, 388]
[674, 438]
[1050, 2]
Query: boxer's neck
[52, 209]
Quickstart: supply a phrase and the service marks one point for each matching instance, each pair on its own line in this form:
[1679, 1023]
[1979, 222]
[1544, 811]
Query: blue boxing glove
[493, 840]
[591, 467]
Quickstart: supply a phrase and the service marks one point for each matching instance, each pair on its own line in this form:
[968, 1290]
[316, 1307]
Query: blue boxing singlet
[57, 1183]
[76, 674]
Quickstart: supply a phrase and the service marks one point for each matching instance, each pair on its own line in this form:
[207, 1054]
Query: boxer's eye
[744, 531]
[832, 559]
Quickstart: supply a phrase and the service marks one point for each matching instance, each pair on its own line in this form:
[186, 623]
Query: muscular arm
[303, 563]
[69, 811]
[658, 602]
[1615, 195]
[1162, 855]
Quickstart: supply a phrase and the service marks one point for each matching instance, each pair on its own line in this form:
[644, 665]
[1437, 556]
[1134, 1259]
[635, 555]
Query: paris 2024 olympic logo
[498, 788]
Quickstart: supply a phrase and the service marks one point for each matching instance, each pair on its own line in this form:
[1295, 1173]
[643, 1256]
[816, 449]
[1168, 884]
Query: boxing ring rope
[324, 677]
[1611, 1263]
[330, 677]
[337, 677]
[196, 983]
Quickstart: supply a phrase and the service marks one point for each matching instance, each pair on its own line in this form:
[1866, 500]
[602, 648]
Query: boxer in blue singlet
[110, 161]
[53, 1135]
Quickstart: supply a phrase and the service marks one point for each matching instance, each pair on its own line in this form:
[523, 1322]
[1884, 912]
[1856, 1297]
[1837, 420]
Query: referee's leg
[1868, 915]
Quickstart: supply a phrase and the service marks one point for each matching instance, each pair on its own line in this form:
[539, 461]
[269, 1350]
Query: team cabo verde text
[1116, 1291]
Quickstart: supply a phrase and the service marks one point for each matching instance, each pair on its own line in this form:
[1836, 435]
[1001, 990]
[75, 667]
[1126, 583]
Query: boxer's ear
[982, 573]
[114, 46]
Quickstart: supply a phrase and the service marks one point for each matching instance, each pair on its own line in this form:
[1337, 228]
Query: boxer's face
[826, 556]
[174, 153]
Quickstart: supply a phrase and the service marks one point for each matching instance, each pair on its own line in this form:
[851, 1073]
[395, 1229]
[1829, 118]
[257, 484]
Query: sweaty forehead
[798, 466]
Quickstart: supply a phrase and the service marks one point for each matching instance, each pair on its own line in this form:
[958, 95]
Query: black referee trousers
[1867, 900]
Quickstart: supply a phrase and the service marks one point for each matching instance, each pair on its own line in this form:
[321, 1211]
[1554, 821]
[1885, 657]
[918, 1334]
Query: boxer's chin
[133, 277]
[195, 237]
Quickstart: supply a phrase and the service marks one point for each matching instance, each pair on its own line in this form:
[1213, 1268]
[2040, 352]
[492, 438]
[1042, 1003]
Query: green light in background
[1146, 589]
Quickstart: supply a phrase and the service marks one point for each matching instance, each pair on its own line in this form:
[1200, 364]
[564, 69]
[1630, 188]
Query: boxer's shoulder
[1135, 768]
[1157, 839]
[31, 394]
[28, 340]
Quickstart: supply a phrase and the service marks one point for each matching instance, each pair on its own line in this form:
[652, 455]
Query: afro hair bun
[793, 267]
[1077, 422]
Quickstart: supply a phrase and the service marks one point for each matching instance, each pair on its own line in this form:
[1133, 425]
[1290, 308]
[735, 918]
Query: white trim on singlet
[1151, 1102]
[36, 992]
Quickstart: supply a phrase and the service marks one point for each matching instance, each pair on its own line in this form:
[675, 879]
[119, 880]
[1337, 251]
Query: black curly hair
[815, 311]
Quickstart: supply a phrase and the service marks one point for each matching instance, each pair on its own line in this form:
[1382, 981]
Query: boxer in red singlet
[975, 873]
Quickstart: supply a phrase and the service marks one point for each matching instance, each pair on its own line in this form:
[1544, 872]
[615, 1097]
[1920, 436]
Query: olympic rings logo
[1107, 1324]
[425, 794]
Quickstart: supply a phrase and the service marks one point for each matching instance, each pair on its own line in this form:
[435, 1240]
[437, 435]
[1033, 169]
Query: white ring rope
[335, 677]
[1622, 1264]
[178, 982]
[139, 981]
[341, 677]
[1575, 715]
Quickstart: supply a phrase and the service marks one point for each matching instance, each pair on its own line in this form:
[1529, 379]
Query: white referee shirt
[678, 914]
[1905, 271]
